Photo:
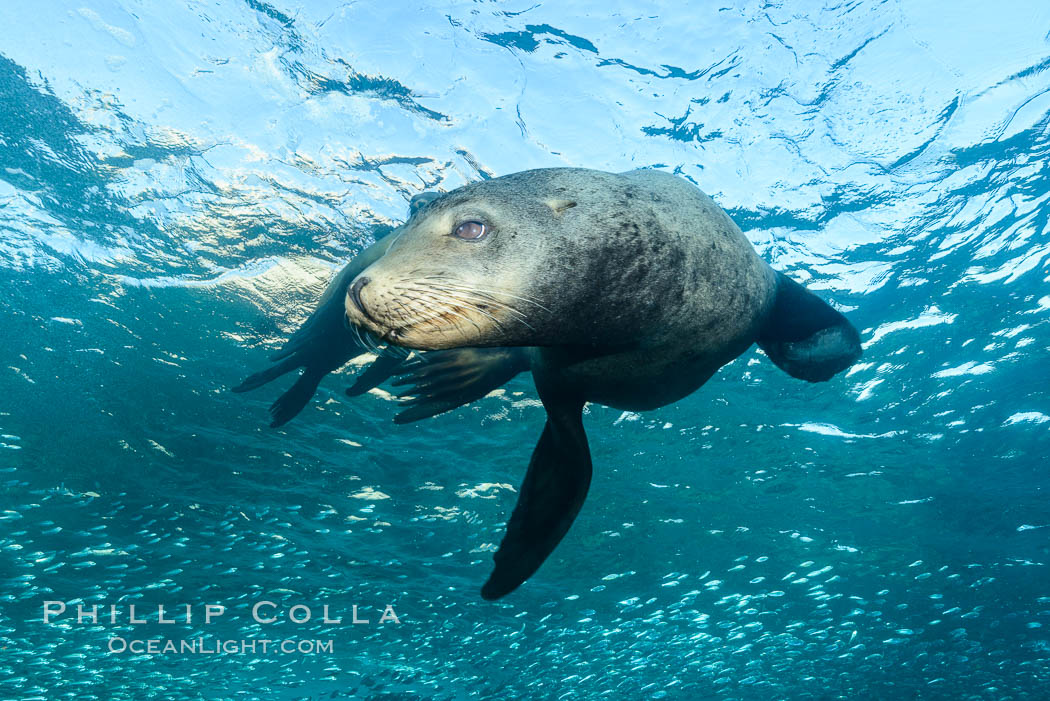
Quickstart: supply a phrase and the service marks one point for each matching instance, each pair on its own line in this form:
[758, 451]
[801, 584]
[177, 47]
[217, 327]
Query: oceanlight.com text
[205, 646]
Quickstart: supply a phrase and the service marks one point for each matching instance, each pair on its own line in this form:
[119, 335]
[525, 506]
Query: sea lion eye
[470, 231]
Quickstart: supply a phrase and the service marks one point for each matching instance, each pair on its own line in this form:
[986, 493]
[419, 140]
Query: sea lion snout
[356, 309]
[355, 292]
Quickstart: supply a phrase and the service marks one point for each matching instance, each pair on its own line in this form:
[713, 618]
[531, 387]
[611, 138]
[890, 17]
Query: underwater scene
[181, 181]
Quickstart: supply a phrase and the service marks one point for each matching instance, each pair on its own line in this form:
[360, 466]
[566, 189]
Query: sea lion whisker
[451, 308]
[367, 340]
[444, 308]
[483, 298]
[360, 338]
[426, 318]
[474, 300]
[467, 304]
[457, 282]
[498, 292]
[370, 342]
[461, 303]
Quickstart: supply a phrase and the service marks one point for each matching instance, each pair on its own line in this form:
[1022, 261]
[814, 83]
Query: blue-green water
[179, 180]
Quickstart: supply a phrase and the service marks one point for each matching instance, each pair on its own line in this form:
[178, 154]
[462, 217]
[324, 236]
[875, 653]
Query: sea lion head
[463, 270]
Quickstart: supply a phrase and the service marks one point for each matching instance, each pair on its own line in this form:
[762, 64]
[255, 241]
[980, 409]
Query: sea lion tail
[805, 336]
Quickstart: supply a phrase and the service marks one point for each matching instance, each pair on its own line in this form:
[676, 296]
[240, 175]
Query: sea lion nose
[355, 292]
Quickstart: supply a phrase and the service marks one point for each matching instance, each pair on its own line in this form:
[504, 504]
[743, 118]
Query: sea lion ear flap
[558, 205]
[421, 200]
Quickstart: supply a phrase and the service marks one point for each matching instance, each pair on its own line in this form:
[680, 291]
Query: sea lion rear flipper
[443, 380]
[269, 374]
[326, 318]
[554, 489]
[292, 402]
[321, 345]
[805, 336]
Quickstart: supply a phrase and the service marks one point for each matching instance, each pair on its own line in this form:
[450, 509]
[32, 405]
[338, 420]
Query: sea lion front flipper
[805, 336]
[551, 496]
[440, 381]
[381, 369]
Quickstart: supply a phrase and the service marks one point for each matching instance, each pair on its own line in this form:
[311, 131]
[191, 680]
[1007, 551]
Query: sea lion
[628, 290]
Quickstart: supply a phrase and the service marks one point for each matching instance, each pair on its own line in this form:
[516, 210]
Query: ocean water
[178, 182]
